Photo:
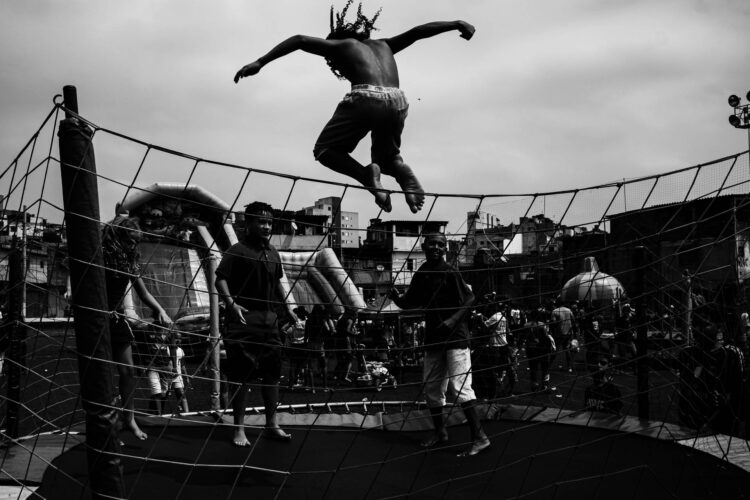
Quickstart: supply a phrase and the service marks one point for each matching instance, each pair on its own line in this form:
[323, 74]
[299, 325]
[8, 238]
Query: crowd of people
[467, 349]
[542, 336]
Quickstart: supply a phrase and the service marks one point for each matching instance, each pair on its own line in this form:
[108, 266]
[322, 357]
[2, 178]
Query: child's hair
[360, 29]
[257, 208]
[120, 244]
[434, 236]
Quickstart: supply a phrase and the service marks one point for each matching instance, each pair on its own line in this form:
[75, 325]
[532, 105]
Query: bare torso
[367, 62]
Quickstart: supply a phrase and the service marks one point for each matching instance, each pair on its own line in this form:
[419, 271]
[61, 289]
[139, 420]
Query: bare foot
[409, 183]
[137, 432]
[372, 181]
[240, 439]
[276, 433]
[477, 446]
[435, 439]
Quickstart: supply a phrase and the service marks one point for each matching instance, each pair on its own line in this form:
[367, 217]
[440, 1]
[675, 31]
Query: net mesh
[649, 268]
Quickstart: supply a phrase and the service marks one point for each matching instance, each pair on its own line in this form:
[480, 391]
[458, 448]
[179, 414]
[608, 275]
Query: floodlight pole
[740, 118]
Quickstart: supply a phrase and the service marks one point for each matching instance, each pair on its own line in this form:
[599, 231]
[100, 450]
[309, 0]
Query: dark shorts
[253, 351]
[296, 352]
[367, 108]
[316, 349]
[248, 360]
[120, 331]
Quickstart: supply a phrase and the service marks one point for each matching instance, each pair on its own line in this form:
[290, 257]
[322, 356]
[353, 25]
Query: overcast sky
[548, 95]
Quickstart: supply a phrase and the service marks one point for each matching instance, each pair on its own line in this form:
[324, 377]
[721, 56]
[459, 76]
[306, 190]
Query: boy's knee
[319, 153]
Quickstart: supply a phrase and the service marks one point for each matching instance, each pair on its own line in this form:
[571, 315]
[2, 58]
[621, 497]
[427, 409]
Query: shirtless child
[375, 104]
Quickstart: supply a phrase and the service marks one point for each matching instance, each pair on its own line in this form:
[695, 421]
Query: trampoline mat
[531, 460]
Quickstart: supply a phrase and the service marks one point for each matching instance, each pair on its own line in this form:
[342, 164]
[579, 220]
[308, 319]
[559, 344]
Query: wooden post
[91, 318]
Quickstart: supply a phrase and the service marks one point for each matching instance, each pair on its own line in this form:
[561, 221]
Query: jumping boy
[375, 104]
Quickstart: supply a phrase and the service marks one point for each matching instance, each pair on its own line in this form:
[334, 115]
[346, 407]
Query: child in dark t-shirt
[249, 281]
[439, 290]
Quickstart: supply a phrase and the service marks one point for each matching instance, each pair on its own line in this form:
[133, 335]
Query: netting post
[641, 332]
[688, 314]
[16, 333]
[81, 203]
[213, 334]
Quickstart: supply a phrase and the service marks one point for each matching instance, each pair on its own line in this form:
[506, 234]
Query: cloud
[547, 95]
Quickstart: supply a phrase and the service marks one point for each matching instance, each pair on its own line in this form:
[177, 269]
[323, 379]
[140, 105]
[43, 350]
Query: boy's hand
[248, 70]
[293, 320]
[466, 30]
[236, 313]
[163, 318]
[449, 324]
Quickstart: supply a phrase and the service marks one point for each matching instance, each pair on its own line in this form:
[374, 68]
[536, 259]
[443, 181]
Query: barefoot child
[375, 104]
[248, 280]
[121, 257]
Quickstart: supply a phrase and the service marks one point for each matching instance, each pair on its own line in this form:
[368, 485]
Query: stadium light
[741, 116]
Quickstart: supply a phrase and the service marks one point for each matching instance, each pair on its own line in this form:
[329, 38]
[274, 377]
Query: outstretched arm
[400, 42]
[313, 45]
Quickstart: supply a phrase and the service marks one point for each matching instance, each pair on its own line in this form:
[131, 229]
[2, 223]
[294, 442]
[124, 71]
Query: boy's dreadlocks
[360, 29]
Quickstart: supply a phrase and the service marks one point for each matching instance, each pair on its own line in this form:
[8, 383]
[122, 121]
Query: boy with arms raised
[375, 104]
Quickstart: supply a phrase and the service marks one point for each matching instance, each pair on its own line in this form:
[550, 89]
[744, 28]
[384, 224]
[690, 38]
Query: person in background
[347, 335]
[500, 346]
[317, 334]
[562, 326]
[297, 353]
[168, 380]
[743, 339]
[603, 395]
[624, 335]
[540, 347]
[588, 324]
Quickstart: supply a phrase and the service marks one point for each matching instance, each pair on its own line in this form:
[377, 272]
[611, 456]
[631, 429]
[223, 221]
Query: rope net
[652, 272]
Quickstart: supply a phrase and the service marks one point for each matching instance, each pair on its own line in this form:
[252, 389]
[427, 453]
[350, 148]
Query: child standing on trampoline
[249, 281]
[375, 104]
[438, 288]
[122, 269]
